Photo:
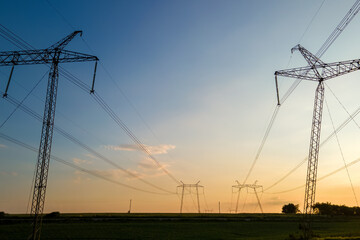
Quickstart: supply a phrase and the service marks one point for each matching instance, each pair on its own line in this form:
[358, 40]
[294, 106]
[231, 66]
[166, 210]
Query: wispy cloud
[12, 174]
[3, 146]
[79, 161]
[155, 150]
[89, 155]
[148, 165]
[80, 177]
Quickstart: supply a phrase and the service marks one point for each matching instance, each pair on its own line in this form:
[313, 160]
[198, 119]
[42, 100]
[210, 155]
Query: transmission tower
[53, 55]
[188, 187]
[247, 186]
[316, 71]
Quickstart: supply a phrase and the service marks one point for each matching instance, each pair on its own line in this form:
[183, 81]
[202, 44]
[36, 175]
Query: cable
[346, 20]
[102, 103]
[311, 21]
[121, 124]
[31, 190]
[342, 154]
[59, 13]
[38, 117]
[7, 119]
[22, 101]
[328, 42]
[232, 196]
[342, 105]
[16, 38]
[263, 141]
[243, 207]
[206, 204]
[319, 179]
[338, 129]
[24, 145]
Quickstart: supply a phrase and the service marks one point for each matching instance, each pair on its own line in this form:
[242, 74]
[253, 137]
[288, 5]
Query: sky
[194, 82]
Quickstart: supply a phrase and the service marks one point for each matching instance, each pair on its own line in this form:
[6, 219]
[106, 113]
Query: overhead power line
[60, 160]
[73, 139]
[342, 154]
[102, 103]
[319, 179]
[333, 36]
[328, 42]
[337, 130]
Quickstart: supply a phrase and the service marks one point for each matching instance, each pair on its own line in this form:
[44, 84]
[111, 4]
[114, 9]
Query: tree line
[324, 209]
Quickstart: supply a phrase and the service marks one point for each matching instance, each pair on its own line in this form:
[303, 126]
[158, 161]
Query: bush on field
[53, 215]
[290, 208]
[2, 214]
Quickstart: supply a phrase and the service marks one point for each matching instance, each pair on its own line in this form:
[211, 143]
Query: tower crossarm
[42, 56]
[51, 56]
[332, 70]
[326, 70]
[309, 57]
[65, 41]
[303, 73]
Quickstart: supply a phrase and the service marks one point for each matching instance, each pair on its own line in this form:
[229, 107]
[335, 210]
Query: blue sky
[200, 73]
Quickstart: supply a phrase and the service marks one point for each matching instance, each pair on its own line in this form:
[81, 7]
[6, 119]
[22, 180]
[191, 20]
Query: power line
[111, 113]
[311, 21]
[328, 42]
[338, 30]
[334, 133]
[337, 130]
[342, 154]
[267, 132]
[121, 124]
[24, 145]
[22, 101]
[101, 102]
[70, 137]
[319, 179]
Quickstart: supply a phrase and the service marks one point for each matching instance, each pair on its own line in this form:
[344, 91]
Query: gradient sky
[197, 82]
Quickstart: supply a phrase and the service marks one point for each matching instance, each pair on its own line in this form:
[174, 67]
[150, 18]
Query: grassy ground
[174, 226]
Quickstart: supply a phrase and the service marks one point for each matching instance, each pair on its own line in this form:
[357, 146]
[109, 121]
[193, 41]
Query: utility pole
[129, 207]
[184, 187]
[247, 186]
[219, 207]
[319, 72]
[53, 55]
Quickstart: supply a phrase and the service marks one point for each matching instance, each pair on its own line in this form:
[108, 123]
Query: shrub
[53, 215]
[290, 208]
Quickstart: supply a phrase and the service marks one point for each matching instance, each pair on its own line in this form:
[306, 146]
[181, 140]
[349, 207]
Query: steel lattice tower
[247, 186]
[184, 187]
[52, 55]
[316, 71]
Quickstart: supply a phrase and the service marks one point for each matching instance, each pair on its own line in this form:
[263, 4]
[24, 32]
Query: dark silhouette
[290, 208]
[332, 209]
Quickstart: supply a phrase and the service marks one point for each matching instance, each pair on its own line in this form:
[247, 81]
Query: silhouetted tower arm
[326, 70]
[316, 71]
[63, 42]
[52, 55]
[309, 57]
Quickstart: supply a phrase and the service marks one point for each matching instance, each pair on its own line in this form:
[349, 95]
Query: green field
[175, 226]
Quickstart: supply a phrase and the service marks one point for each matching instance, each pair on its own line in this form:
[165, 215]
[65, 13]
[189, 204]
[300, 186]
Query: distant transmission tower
[187, 187]
[53, 55]
[317, 71]
[247, 186]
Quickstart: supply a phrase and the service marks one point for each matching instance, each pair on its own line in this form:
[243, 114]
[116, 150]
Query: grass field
[175, 226]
